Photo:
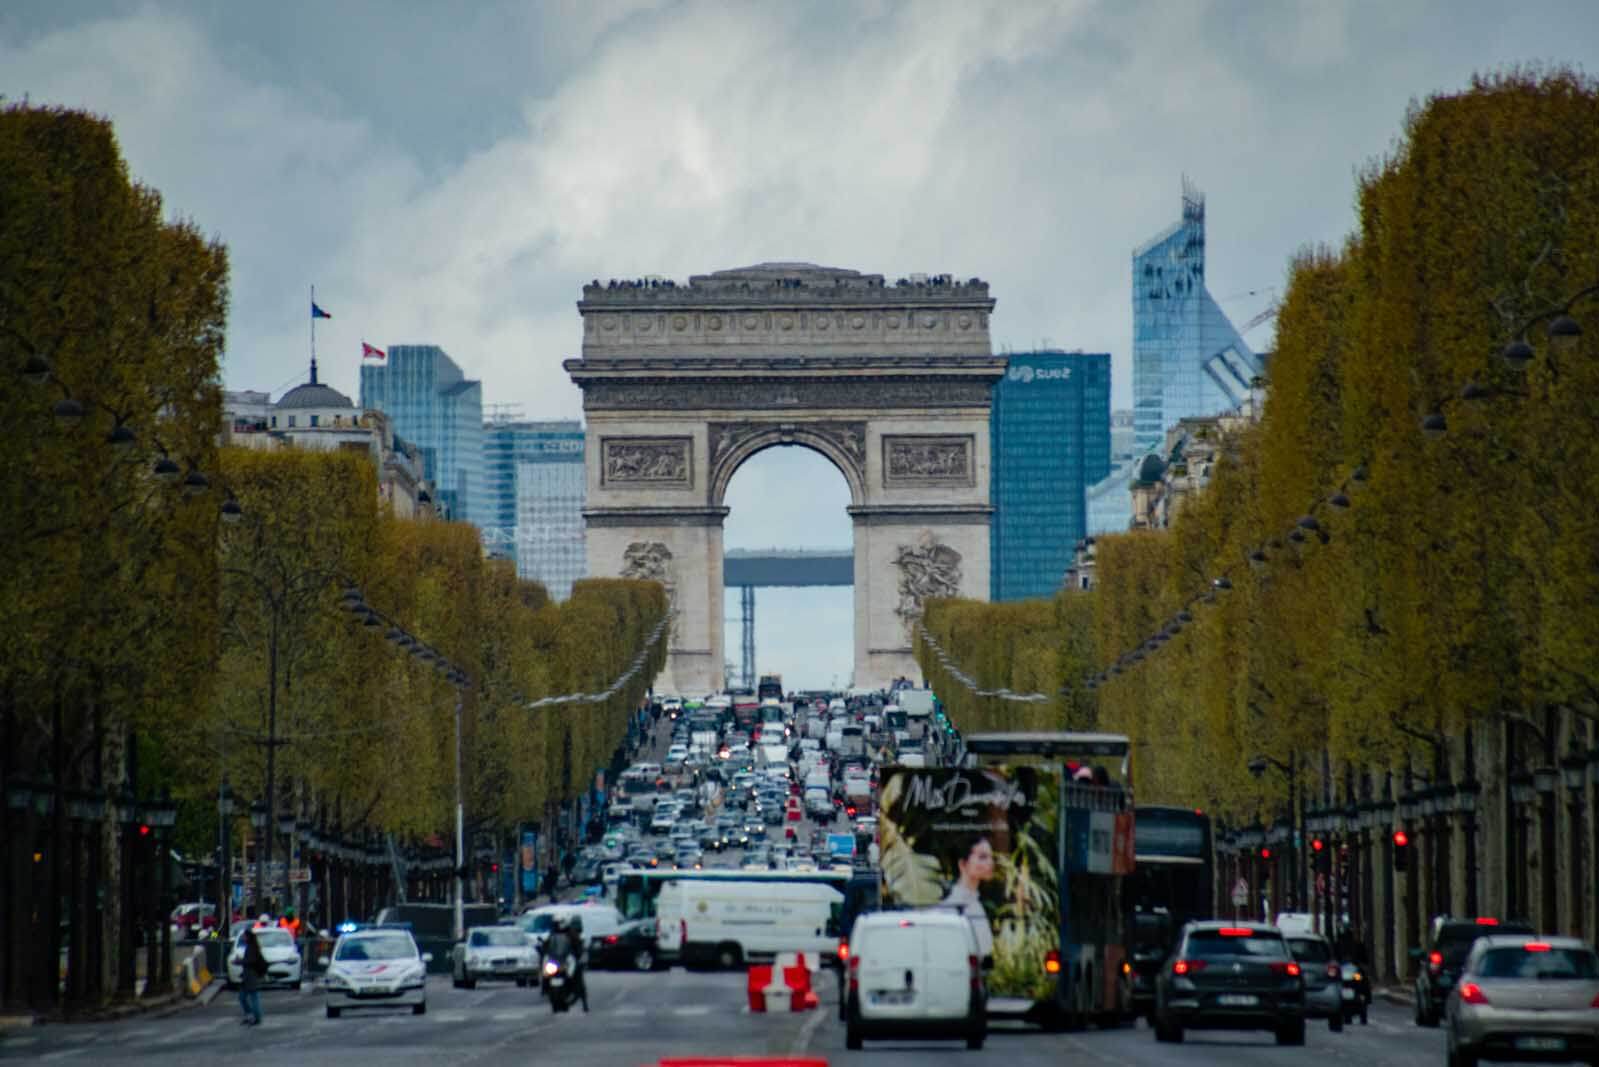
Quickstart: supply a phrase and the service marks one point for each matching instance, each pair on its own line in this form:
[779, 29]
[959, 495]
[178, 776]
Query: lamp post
[1466, 803]
[1573, 773]
[163, 817]
[286, 828]
[1257, 767]
[258, 823]
[1521, 794]
[1543, 780]
[224, 859]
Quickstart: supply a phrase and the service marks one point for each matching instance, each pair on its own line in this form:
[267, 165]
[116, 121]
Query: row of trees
[1452, 575]
[152, 647]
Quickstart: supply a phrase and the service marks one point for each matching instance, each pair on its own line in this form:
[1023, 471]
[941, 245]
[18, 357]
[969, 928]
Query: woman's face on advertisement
[978, 866]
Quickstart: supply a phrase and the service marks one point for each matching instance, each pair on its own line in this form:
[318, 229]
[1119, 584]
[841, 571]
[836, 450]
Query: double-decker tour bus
[1031, 841]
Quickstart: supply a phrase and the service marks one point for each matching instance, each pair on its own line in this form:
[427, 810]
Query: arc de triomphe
[890, 382]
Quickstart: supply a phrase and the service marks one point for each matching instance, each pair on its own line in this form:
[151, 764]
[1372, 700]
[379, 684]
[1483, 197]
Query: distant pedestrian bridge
[744, 567]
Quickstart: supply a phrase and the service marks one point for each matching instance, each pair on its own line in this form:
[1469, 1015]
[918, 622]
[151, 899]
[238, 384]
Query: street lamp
[225, 862]
[1544, 780]
[1573, 772]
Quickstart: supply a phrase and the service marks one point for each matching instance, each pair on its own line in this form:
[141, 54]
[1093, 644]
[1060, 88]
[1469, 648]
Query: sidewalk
[117, 1009]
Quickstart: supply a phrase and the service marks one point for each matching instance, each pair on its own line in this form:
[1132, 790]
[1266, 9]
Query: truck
[770, 687]
[729, 922]
[1033, 856]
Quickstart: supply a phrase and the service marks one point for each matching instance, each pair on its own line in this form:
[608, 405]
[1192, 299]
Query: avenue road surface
[636, 1019]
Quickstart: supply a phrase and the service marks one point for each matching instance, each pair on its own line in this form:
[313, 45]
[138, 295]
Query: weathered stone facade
[683, 383]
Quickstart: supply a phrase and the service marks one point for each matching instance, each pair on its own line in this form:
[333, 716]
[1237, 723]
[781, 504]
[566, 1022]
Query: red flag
[368, 352]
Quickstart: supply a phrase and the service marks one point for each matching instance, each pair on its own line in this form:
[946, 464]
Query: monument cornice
[654, 515]
[745, 366]
[921, 514]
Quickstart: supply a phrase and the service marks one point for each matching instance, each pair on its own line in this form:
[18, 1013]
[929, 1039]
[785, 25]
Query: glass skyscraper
[434, 406]
[1050, 440]
[550, 493]
[1188, 360]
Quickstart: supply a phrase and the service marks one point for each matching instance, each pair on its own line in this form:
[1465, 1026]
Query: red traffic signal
[1316, 844]
[144, 829]
[1265, 853]
[494, 868]
[1401, 839]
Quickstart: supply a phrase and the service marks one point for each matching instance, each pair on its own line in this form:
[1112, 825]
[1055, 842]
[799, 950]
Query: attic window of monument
[313, 420]
[291, 421]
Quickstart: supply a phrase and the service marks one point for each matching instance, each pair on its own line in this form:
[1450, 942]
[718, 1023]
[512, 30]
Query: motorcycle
[1356, 993]
[559, 983]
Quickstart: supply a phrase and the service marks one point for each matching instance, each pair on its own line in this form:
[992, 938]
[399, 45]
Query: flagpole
[313, 333]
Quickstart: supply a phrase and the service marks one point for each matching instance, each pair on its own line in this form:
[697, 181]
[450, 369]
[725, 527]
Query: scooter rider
[566, 944]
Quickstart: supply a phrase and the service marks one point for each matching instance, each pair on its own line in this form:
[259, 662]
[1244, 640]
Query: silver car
[1324, 978]
[1525, 998]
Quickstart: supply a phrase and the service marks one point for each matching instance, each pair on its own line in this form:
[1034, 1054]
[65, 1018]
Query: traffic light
[1265, 853]
[1316, 844]
[1401, 850]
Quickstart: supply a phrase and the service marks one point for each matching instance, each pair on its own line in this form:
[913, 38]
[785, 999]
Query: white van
[914, 974]
[728, 922]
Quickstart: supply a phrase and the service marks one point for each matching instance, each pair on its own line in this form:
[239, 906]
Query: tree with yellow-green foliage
[111, 322]
[1449, 579]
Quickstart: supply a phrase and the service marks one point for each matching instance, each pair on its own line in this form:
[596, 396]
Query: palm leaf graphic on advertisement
[910, 876]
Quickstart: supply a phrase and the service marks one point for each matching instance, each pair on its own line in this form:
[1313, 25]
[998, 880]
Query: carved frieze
[655, 462]
[727, 437]
[652, 561]
[927, 569]
[788, 394]
[915, 460]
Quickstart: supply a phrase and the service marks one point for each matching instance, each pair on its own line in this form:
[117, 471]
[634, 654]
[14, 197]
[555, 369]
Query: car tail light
[1435, 960]
[1536, 946]
[682, 925]
[1235, 931]
[1471, 993]
[1052, 961]
[1487, 920]
[1187, 967]
[843, 950]
[1334, 971]
[854, 974]
[1595, 1003]
[611, 939]
[1286, 967]
[976, 967]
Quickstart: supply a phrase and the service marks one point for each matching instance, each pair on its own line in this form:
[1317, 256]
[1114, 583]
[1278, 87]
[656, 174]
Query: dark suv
[1230, 976]
[1448, 945]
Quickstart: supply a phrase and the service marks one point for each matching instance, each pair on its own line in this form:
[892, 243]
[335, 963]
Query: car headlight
[337, 981]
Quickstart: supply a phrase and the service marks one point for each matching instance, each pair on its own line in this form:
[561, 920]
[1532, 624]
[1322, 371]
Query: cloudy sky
[455, 178]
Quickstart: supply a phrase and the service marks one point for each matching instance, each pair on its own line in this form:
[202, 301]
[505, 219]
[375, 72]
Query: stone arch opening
[788, 601]
[841, 444]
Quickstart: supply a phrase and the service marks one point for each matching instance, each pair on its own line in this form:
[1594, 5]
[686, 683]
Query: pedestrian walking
[253, 970]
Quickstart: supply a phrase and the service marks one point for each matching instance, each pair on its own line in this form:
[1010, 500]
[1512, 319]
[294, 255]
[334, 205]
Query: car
[505, 953]
[194, 920]
[1230, 976]
[1324, 978]
[284, 966]
[630, 948]
[914, 974]
[1152, 937]
[1524, 997]
[376, 967]
[663, 821]
[1449, 942]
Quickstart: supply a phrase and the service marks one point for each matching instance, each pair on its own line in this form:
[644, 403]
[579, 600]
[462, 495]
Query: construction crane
[1269, 313]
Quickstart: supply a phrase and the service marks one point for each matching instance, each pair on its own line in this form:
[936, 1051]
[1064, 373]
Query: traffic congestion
[814, 829]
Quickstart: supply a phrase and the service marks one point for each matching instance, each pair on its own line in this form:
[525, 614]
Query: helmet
[574, 925]
[288, 913]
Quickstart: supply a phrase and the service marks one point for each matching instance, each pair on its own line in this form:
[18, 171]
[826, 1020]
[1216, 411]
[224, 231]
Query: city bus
[638, 890]
[1173, 882]
[1031, 839]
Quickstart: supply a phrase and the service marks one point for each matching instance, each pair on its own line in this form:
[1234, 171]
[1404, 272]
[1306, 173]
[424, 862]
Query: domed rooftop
[1151, 470]
[314, 394]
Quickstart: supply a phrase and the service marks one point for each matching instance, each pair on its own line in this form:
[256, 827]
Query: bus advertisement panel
[1040, 836]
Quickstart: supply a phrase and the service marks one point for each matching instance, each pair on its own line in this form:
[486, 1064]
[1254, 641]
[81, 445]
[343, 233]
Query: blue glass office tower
[1188, 360]
[1050, 440]
[533, 503]
[441, 411]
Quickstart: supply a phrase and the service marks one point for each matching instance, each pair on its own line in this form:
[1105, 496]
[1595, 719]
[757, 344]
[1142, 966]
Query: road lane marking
[692, 1009]
[512, 1016]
